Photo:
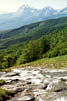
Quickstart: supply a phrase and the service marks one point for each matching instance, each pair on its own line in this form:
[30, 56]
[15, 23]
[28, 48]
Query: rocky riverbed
[36, 84]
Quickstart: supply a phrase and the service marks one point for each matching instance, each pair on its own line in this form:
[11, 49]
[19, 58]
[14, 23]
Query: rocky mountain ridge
[26, 15]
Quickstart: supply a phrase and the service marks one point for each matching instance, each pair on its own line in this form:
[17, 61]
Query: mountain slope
[26, 15]
[50, 45]
[32, 42]
[30, 32]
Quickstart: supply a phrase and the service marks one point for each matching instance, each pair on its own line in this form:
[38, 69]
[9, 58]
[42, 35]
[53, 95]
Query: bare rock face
[35, 84]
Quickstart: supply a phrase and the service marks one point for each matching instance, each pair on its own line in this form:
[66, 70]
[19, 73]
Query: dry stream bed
[36, 84]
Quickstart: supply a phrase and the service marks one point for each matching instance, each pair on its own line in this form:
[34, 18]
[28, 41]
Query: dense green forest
[31, 32]
[32, 42]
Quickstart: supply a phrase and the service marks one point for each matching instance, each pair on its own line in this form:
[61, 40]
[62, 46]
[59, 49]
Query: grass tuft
[5, 94]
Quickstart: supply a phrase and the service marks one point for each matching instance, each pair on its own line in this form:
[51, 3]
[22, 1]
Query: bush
[2, 82]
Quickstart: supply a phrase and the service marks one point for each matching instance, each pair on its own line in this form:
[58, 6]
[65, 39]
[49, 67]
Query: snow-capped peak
[64, 10]
[48, 11]
[48, 8]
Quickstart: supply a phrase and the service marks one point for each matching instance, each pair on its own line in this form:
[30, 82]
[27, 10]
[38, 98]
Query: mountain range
[26, 15]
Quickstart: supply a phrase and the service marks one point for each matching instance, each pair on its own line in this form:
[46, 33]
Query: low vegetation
[55, 62]
[2, 82]
[5, 94]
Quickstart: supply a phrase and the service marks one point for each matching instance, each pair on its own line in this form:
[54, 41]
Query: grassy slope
[56, 62]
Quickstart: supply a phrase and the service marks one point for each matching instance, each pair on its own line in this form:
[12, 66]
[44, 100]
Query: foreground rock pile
[35, 84]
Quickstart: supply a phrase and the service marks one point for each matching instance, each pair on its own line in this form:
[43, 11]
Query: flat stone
[12, 74]
[26, 98]
[19, 90]
[60, 86]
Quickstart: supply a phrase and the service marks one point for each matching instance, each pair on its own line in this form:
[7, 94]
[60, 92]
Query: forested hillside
[52, 45]
[32, 42]
[30, 32]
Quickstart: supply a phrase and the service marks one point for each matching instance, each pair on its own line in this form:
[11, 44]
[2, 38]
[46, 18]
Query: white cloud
[13, 5]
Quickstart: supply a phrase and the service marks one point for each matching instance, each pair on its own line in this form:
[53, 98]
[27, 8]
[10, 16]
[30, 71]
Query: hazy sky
[13, 5]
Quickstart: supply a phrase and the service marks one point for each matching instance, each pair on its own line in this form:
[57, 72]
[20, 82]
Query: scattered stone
[35, 84]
